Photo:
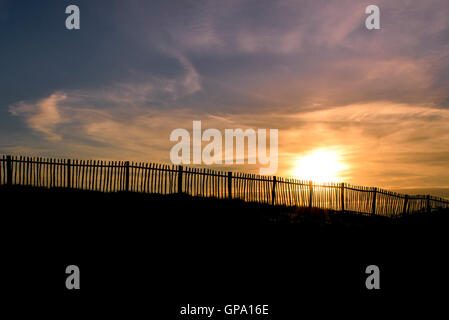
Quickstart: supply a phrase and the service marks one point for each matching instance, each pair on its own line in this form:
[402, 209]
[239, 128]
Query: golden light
[319, 166]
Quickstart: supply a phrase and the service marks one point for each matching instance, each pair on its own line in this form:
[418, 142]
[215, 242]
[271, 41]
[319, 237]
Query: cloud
[43, 116]
[382, 143]
[191, 82]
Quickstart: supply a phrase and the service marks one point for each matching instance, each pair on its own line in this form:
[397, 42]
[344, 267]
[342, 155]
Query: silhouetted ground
[183, 209]
[183, 249]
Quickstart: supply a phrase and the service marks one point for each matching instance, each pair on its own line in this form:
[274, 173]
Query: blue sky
[138, 69]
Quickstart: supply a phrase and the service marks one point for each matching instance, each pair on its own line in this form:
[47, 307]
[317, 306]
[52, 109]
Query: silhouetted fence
[113, 176]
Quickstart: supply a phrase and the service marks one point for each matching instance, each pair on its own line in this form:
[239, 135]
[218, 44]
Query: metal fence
[113, 176]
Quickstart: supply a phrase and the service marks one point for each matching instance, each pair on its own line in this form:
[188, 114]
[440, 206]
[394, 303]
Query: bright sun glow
[319, 166]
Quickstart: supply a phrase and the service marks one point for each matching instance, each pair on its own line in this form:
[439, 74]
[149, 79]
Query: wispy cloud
[397, 145]
[43, 116]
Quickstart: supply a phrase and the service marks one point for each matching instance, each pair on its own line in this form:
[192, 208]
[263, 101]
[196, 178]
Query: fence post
[310, 194]
[429, 209]
[126, 175]
[69, 170]
[343, 197]
[8, 171]
[273, 191]
[180, 179]
[230, 184]
[374, 200]
[404, 210]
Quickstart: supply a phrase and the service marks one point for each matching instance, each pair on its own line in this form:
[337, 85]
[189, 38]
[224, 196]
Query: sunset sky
[375, 100]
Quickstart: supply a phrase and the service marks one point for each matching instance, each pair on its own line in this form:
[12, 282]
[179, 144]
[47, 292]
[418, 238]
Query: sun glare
[319, 166]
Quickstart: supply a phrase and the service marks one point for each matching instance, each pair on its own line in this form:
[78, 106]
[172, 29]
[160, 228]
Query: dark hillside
[175, 244]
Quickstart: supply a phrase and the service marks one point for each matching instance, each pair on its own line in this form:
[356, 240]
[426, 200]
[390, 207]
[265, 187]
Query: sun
[319, 166]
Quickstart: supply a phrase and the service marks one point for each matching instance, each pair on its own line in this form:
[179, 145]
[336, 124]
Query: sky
[136, 70]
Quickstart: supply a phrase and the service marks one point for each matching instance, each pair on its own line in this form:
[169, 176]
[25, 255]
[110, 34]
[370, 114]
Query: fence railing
[113, 176]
